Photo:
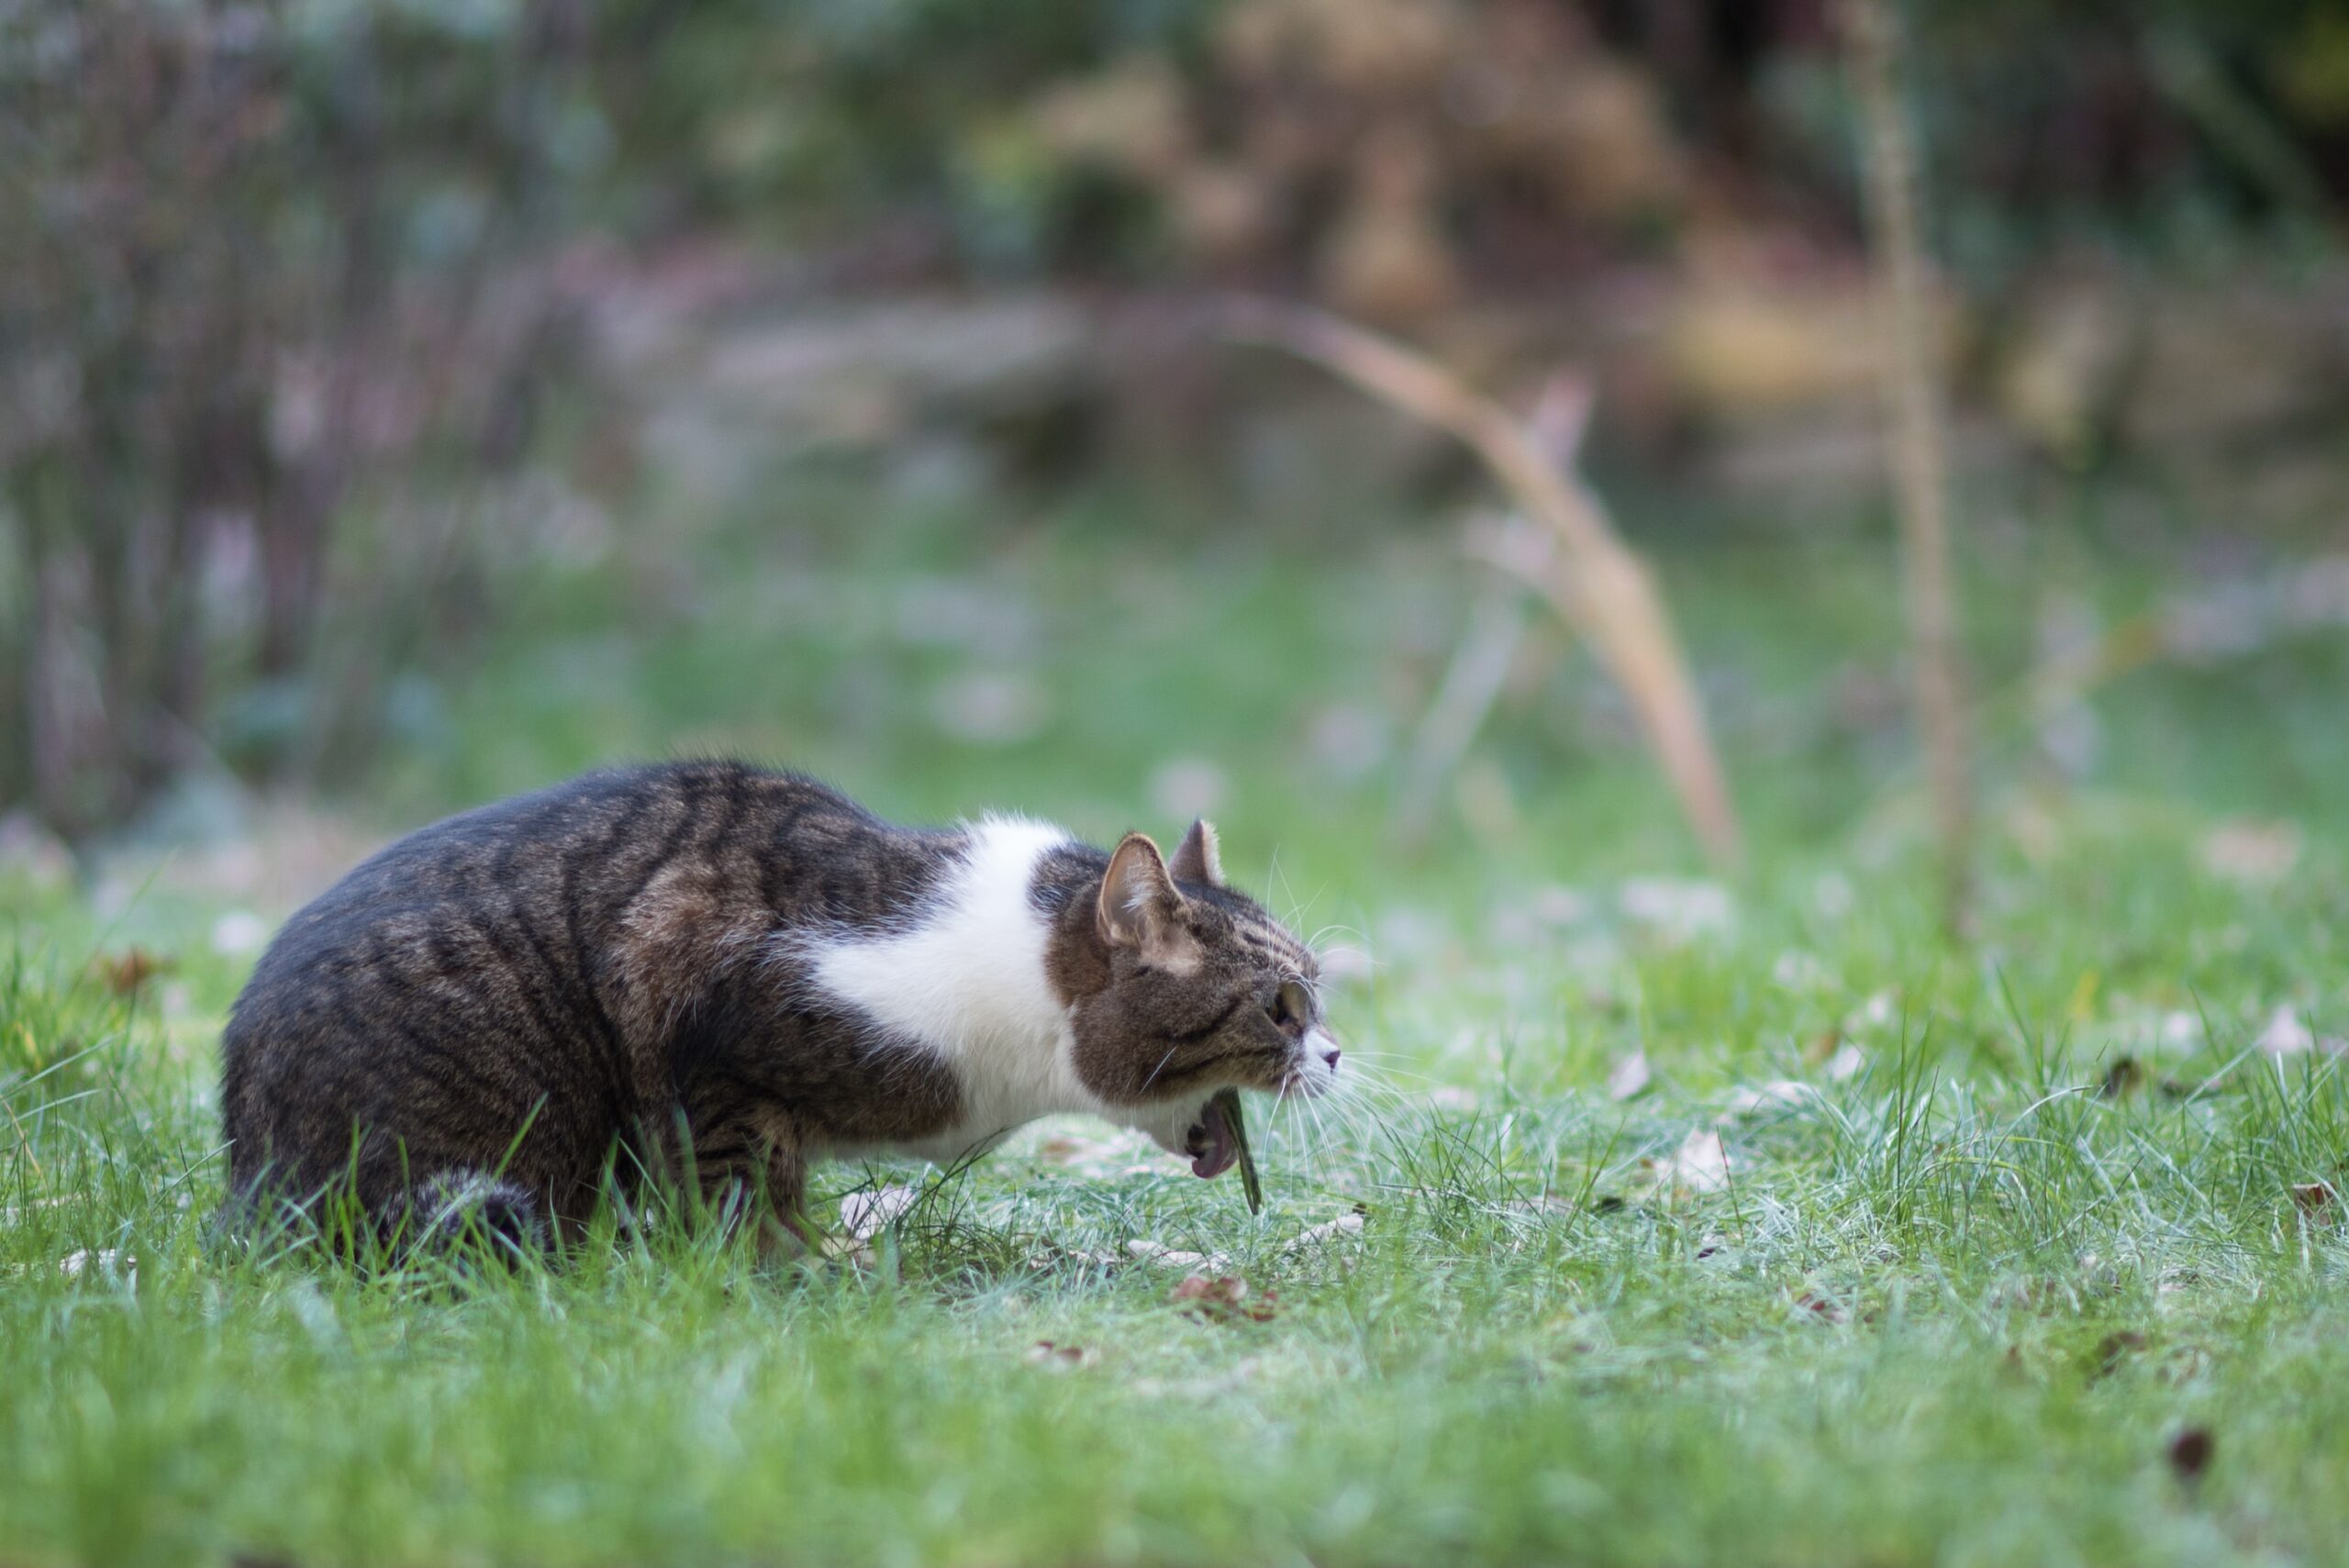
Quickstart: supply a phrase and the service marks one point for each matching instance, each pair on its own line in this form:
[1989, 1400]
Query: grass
[1954, 1303]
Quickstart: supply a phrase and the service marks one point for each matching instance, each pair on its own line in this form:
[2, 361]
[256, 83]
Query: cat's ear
[1196, 858]
[1140, 908]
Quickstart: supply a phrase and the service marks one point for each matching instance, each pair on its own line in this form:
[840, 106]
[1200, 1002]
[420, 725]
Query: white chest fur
[967, 981]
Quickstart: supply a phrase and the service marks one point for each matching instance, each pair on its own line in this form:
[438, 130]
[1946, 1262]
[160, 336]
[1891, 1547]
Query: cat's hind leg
[746, 1167]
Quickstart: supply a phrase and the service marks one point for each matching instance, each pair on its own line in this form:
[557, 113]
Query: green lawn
[1999, 1222]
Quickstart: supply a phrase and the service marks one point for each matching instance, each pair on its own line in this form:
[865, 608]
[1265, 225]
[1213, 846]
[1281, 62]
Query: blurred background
[408, 402]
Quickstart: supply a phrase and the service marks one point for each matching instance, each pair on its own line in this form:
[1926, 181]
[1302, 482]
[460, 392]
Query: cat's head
[1181, 986]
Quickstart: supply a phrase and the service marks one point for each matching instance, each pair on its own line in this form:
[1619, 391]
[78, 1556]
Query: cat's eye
[1292, 1006]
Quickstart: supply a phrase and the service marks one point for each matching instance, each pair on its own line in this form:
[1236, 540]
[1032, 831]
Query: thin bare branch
[1471, 685]
[1603, 590]
[1916, 447]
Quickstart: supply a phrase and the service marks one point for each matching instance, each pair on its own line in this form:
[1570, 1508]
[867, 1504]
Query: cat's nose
[1330, 1054]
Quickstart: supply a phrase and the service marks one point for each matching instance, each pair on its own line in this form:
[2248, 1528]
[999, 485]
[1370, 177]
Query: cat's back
[529, 950]
[582, 850]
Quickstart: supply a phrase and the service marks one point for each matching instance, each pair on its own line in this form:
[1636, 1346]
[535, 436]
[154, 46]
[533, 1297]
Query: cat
[713, 974]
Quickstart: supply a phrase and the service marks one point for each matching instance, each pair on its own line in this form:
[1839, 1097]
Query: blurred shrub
[1380, 152]
[282, 281]
[251, 259]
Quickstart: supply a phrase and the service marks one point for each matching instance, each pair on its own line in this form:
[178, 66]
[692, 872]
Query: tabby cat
[710, 973]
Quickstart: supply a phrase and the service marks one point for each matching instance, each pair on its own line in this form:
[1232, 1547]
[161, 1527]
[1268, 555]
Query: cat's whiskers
[1358, 1107]
[1379, 1061]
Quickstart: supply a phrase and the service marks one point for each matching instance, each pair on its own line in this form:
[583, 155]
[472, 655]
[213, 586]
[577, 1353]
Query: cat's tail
[454, 1208]
[448, 1214]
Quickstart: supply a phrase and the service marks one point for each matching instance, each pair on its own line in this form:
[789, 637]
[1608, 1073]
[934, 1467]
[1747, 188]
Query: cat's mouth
[1213, 1143]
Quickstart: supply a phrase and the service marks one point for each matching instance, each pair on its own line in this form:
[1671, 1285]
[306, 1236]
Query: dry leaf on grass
[1160, 1255]
[1699, 1165]
[2116, 1348]
[126, 973]
[1677, 909]
[1881, 1010]
[2287, 1034]
[1329, 1230]
[2316, 1199]
[1223, 1298]
[1820, 1306]
[2256, 854]
[1055, 1357]
[2189, 1452]
[1630, 1078]
[1776, 1094]
[108, 1263]
[2123, 1079]
[866, 1214]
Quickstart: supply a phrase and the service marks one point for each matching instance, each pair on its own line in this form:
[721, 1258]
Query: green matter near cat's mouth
[1224, 1116]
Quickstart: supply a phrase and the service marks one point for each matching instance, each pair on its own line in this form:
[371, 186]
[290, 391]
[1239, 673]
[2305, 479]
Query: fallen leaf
[1328, 1230]
[2115, 1348]
[1630, 1078]
[2286, 1034]
[2315, 1199]
[2123, 1079]
[126, 973]
[1820, 1307]
[1699, 1164]
[2189, 1452]
[2256, 854]
[107, 1262]
[1745, 1100]
[1053, 1357]
[1677, 909]
[1821, 1048]
[1166, 1257]
[866, 1215]
[1880, 1010]
[1223, 1298]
